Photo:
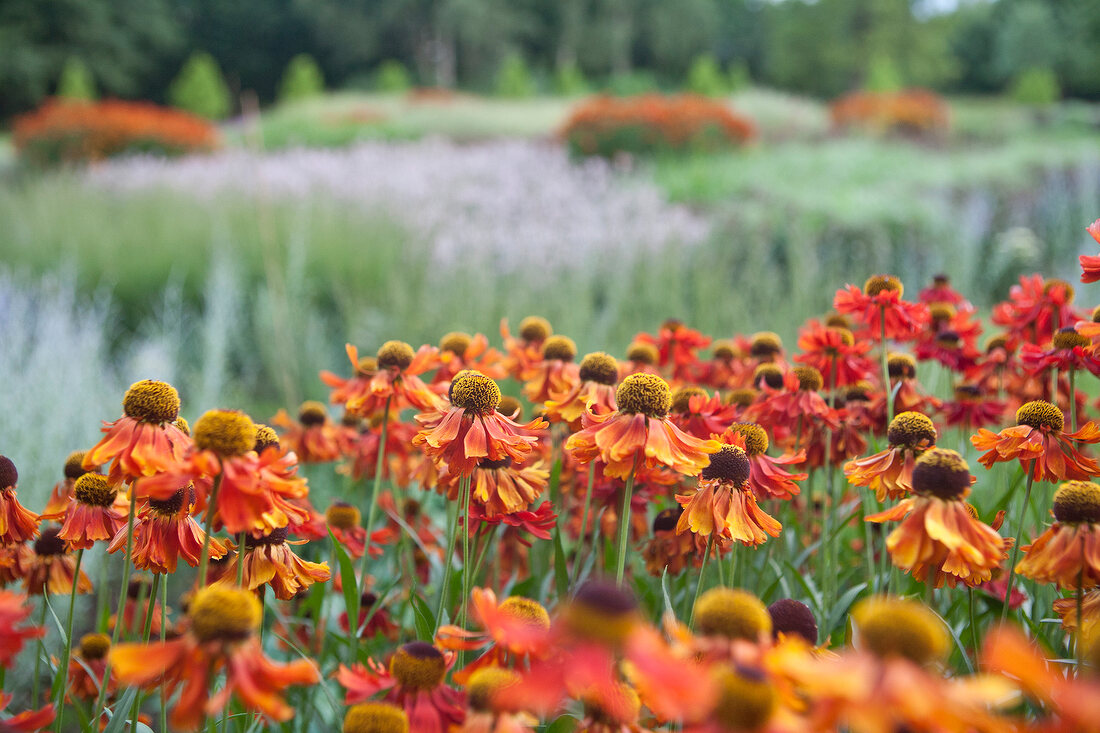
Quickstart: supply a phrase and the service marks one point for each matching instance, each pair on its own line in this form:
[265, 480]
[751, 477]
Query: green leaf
[120, 715]
[423, 617]
[563, 724]
[347, 578]
[561, 571]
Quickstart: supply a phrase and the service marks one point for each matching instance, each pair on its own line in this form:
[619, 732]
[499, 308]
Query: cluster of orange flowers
[905, 111]
[68, 131]
[719, 450]
[652, 123]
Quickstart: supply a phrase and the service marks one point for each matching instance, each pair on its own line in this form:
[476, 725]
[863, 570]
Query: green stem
[372, 512]
[163, 636]
[1019, 537]
[975, 635]
[240, 557]
[211, 509]
[1072, 400]
[466, 574]
[448, 558]
[127, 563]
[63, 669]
[624, 524]
[886, 368]
[578, 553]
[733, 565]
[146, 629]
[702, 573]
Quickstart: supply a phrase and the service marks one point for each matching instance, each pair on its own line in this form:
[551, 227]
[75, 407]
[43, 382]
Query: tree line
[136, 48]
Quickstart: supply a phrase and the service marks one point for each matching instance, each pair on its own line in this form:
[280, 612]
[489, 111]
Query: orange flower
[595, 392]
[145, 440]
[30, 721]
[414, 682]
[668, 550]
[96, 511]
[516, 631]
[313, 438]
[87, 667]
[500, 486]
[1036, 308]
[724, 504]
[525, 351]
[343, 520]
[1090, 265]
[51, 568]
[356, 387]
[164, 532]
[555, 373]
[835, 353]
[460, 351]
[396, 381]
[881, 297]
[1068, 553]
[766, 477]
[639, 434]
[15, 609]
[676, 346]
[269, 560]
[1040, 445]
[699, 414]
[62, 492]
[890, 473]
[472, 429]
[939, 539]
[222, 634]
[17, 525]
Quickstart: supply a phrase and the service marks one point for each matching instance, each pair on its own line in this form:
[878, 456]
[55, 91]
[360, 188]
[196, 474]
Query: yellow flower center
[1054, 283]
[342, 515]
[836, 320]
[681, 399]
[968, 393]
[643, 353]
[172, 505]
[730, 463]
[265, 438]
[941, 312]
[183, 426]
[880, 283]
[366, 367]
[9, 477]
[809, 378]
[534, 328]
[312, 413]
[1041, 414]
[455, 342]
[602, 612]
[1077, 501]
[770, 373]
[94, 646]
[1068, 338]
[484, 687]
[941, 473]
[756, 438]
[226, 432]
[223, 613]
[734, 614]
[645, 394]
[475, 392]
[561, 348]
[395, 355]
[746, 700]
[1095, 318]
[418, 666]
[600, 368]
[152, 402]
[622, 711]
[1000, 341]
[510, 407]
[74, 464]
[526, 610]
[901, 366]
[375, 717]
[725, 350]
[742, 396]
[765, 343]
[94, 489]
[911, 430]
[858, 392]
[891, 627]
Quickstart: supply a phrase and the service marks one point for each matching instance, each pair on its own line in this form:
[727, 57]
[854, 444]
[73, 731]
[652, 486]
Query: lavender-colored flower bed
[518, 204]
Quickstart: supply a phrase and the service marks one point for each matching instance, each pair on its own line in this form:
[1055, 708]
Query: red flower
[1036, 308]
[96, 511]
[676, 345]
[523, 352]
[767, 478]
[14, 609]
[881, 297]
[516, 631]
[164, 532]
[30, 721]
[460, 351]
[1090, 266]
[1040, 445]
[699, 414]
[555, 373]
[221, 634]
[17, 524]
[537, 523]
[889, 473]
[313, 437]
[835, 353]
[970, 409]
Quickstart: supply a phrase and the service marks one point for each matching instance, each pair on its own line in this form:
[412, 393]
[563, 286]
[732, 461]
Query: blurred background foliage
[137, 48]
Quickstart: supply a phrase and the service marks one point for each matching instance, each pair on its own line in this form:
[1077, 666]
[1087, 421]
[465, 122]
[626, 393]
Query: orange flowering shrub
[908, 111]
[63, 131]
[653, 123]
